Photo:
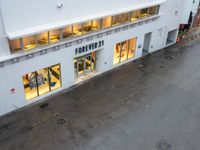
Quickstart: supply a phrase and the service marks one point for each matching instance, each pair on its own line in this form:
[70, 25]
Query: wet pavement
[149, 104]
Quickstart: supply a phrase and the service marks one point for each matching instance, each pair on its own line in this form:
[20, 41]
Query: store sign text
[89, 47]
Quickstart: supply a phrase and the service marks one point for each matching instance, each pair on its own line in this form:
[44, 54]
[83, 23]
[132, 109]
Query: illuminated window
[87, 27]
[122, 18]
[41, 81]
[107, 22]
[29, 42]
[42, 38]
[132, 48]
[67, 32]
[153, 10]
[135, 15]
[96, 24]
[15, 45]
[144, 12]
[117, 51]
[77, 29]
[54, 35]
[124, 51]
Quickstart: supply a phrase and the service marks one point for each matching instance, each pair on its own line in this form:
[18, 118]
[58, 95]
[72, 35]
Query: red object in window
[12, 91]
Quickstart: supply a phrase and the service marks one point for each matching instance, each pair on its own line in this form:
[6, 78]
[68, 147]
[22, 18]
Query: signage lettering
[89, 47]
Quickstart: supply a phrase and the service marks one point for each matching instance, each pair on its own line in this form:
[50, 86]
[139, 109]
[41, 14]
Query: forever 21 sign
[89, 47]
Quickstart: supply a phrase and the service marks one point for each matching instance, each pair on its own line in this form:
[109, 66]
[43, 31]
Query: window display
[42, 38]
[106, 23]
[96, 24]
[87, 27]
[54, 35]
[77, 29]
[41, 81]
[29, 42]
[67, 32]
[124, 51]
[15, 45]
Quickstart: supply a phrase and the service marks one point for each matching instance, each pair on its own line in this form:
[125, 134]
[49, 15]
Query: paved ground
[154, 106]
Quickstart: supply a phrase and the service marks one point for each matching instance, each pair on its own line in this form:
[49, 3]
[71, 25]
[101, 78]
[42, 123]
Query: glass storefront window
[122, 18]
[55, 77]
[42, 38]
[29, 42]
[135, 15]
[77, 29]
[67, 32]
[96, 24]
[87, 27]
[15, 45]
[132, 48]
[153, 10]
[54, 35]
[107, 21]
[30, 85]
[41, 81]
[124, 51]
[144, 12]
[117, 51]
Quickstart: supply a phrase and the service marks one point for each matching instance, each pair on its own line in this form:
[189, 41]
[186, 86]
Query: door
[147, 42]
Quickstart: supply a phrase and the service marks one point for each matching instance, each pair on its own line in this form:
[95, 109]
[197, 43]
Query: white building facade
[47, 46]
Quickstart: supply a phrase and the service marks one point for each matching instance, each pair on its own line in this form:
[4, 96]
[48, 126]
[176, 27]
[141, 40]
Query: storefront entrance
[85, 64]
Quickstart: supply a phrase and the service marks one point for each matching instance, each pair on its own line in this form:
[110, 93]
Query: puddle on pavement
[163, 145]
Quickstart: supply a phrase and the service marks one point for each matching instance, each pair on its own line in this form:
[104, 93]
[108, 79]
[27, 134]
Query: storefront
[85, 64]
[42, 81]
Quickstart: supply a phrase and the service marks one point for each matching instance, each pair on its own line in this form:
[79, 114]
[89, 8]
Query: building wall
[12, 93]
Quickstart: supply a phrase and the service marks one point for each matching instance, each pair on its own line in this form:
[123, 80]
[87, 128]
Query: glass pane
[30, 86]
[75, 67]
[29, 42]
[43, 81]
[43, 38]
[54, 35]
[107, 22]
[88, 63]
[116, 53]
[14, 45]
[77, 29]
[87, 27]
[93, 60]
[124, 50]
[96, 24]
[135, 15]
[122, 18]
[67, 32]
[132, 48]
[144, 13]
[55, 79]
[81, 66]
[153, 10]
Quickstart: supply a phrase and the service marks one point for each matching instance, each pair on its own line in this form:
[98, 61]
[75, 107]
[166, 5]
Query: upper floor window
[29, 42]
[107, 22]
[55, 35]
[77, 29]
[15, 45]
[67, 32]
[42, 38]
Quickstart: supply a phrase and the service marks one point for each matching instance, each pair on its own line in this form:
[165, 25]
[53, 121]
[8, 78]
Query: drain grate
[61, 121]
[163, 145]
[168, 57]
[44, 105]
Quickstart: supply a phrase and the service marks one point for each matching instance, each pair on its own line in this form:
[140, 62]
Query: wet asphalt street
[148, 104]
